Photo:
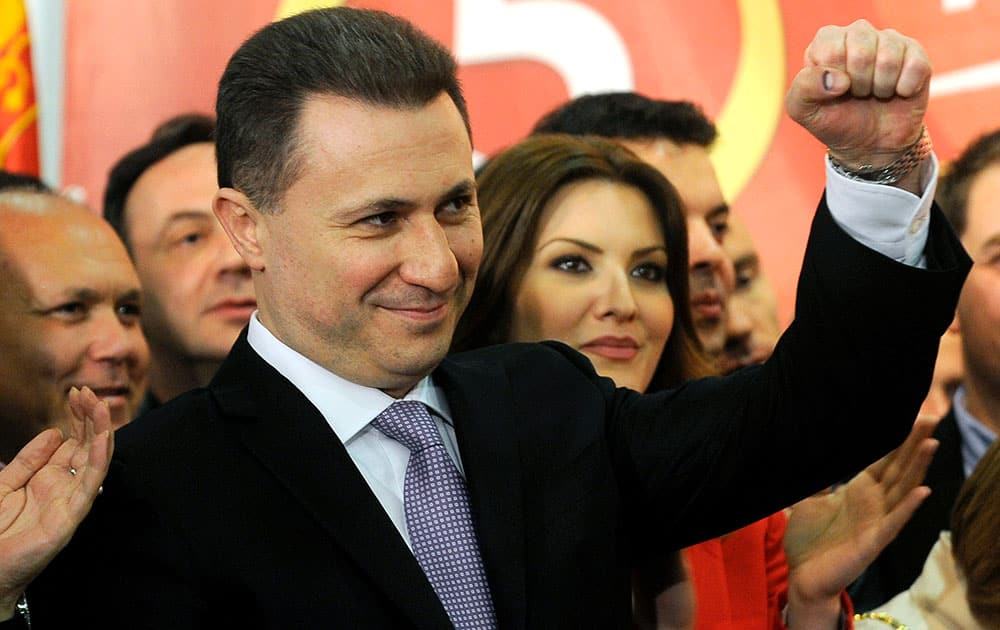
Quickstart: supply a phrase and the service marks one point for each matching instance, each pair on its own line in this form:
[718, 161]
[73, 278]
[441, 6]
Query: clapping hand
[831, 538]
[47, 490]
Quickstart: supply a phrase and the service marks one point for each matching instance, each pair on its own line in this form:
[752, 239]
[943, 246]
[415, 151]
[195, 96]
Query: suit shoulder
[533, 355]
[163, 427]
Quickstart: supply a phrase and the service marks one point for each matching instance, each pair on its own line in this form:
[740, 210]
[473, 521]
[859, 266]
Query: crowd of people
[311, 370]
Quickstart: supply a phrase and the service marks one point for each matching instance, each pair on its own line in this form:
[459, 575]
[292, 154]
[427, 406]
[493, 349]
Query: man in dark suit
[278, 497]
[967, 194]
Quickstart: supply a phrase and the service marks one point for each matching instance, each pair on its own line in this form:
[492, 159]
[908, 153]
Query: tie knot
[409, 423]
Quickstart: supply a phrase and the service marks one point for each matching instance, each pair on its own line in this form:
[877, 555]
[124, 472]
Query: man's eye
[570, 264]
[381, 219]
[70, 311]
[129, 312]
[457, 205]
[650, 272]
[719, 229]
[187, 239]
[745, 276]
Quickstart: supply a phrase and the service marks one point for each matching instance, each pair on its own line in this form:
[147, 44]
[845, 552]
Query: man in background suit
[272, 499]
[69, 316]
[752, 327]
[198, 295]
[69, 320]
[967, 194]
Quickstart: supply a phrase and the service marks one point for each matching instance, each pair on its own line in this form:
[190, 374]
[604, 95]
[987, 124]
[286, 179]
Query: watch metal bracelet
[892, 172]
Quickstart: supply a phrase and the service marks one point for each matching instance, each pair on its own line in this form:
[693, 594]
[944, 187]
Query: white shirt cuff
[890, 220]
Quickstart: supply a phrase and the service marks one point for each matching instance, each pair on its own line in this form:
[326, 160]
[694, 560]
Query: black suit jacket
[902, 560]
[237, 506]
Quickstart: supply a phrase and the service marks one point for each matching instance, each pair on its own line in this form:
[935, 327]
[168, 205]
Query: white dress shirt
[976, 438]
[886, 219]
[349, 409]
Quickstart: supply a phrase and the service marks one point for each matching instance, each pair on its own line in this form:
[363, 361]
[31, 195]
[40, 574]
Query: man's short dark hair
[632, 116]
[21, 182]
[368, 56]
[170, 136]
[953, 188]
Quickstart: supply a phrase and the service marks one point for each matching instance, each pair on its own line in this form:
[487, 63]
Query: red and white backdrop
[128, 65]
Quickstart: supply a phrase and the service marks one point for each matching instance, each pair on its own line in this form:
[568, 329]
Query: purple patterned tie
[438, 517]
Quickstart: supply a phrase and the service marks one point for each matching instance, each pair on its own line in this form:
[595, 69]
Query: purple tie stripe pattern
[438, 517]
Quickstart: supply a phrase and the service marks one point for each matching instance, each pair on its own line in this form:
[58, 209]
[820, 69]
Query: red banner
[18, 113]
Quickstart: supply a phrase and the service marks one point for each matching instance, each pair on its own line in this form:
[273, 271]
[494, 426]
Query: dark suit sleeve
[842, 388]
[125, 568]
[130, 565]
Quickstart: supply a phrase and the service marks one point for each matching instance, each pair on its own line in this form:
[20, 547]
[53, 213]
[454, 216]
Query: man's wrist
[900, 169]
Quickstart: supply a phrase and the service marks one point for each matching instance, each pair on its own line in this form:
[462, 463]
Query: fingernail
[827, 81]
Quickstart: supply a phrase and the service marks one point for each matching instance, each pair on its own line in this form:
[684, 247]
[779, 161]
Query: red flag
[18, 112]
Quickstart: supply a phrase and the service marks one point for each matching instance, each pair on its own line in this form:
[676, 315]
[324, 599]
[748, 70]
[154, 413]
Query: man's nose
[113, 340]
[738, 323]
[427, 258]
[706, 254]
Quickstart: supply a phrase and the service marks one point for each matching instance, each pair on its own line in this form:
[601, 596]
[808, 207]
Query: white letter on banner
[575, 40]
[954, 6]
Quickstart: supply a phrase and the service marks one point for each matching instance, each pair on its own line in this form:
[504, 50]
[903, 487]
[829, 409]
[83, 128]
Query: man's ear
[242, 222]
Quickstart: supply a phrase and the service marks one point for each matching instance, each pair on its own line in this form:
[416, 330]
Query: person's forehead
[362, 148]
[688, 167]
[738, 242]
[586, 207]
[328, 121]
[49, 254]
[982, 222]
[183, 180]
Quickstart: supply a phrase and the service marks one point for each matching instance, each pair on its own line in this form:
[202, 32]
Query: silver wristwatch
[892, 172]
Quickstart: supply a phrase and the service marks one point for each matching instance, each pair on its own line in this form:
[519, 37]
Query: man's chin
[712, 342]
[403, 372]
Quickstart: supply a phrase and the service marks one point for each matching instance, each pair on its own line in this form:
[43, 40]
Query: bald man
[69, 317]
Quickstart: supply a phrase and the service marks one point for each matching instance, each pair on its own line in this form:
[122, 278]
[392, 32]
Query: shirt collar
[976, 437]
[346, 406]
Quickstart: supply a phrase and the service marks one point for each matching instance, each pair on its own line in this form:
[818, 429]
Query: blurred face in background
[948, 372]
[596, 281]
[752, 327]
[198, 290]
[978, 313]
[690, 170]
[69, 317]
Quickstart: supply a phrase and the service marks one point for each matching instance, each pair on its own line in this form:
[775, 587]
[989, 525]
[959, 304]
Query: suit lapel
[287, 434]
[480, 400]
